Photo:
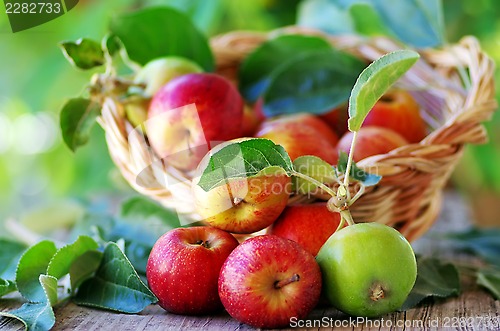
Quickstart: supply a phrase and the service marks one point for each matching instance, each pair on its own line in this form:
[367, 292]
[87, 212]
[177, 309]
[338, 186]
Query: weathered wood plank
[474, 309]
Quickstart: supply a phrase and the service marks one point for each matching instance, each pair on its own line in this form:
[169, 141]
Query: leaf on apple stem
[244, 159]
[435, 279]
[374, 81]
[315, 168]
[83, 53]
[356, 173]
[76, 120]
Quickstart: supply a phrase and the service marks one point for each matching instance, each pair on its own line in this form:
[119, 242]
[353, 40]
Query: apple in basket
[267, 280]
[242, 205]
[309, 225]
[190, 114]
[160, 71]
[301, 134]
[397, 110]
[183, 269]
[148, 81]
[371, 140]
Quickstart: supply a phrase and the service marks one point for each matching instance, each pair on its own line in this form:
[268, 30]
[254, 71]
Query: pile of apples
[264, 281]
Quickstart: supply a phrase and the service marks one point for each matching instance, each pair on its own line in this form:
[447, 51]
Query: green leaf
[484, 243]
[66, 256]
[38, 316]
[84, 53]
[141, 223]
[34, 316]
[115, 286]
[161, 31]
[374, 81]
[33, 263]
[111, 44]
[415, 22]
[149, 213]
[244, 159]
[314, 167]
[84, 267]
[435, 279]
[77, 118]
[10, 253]
[6, 286]
[312, 82]
[490, 279]
[257, 68]
[356, 173]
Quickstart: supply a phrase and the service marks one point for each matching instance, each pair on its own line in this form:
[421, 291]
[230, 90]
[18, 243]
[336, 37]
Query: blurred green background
[45, 185]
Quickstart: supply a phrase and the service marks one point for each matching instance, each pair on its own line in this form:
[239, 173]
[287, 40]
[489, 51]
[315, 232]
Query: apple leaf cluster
[300, 73]
[83, 269]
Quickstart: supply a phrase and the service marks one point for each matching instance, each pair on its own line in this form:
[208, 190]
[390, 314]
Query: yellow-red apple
[301, 134]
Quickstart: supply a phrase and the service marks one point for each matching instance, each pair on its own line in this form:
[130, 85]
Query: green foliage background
[48, 189]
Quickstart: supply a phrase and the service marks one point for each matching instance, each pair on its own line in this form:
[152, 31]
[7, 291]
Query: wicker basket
[409, 195]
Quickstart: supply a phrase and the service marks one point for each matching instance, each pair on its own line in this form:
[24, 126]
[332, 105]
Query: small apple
[397, 110]
[301, 134]
[244, 205]
[337, 119]
[368, 269]
[160, 71]
[267, 280]
[309, 225]
[371, 140]
[191, 113]
[183, 269]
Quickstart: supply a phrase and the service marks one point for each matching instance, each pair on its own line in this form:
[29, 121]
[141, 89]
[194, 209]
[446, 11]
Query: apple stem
[315, 182]
[281, 283]
[346, 214]
[203, 243]
[349, 160]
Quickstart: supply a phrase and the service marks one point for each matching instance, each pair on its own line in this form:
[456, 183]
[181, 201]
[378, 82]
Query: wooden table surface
[474, 309]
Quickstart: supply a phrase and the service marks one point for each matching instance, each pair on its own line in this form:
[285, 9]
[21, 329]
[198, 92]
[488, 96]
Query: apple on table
[267, 280]
[183, 269]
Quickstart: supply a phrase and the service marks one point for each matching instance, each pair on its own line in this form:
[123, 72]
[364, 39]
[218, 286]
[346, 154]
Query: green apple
[368, 269]
[160, 71]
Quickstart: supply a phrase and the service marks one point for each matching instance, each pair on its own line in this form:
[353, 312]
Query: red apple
[397, 110]
[337, 119]
[301, 134]
[191, 112]
[267, 280]
[309, 225]
[183, 269]
[371, 140]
